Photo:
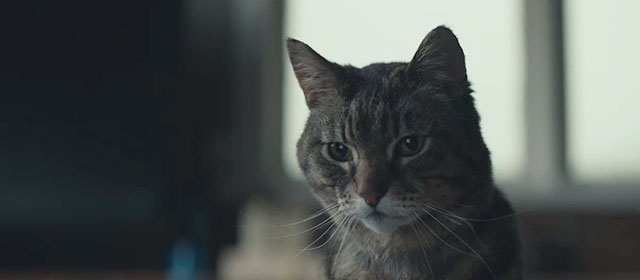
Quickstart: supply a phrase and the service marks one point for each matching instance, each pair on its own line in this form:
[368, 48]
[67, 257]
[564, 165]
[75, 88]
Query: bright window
[603, 54]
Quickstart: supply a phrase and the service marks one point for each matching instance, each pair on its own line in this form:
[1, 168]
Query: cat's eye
[339, 151]
[410, 146]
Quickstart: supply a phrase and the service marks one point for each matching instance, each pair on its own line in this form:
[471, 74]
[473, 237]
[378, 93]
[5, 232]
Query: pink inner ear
[308, 85]
[315, 74]
[316, 82]
[313, 95]
[311, 99]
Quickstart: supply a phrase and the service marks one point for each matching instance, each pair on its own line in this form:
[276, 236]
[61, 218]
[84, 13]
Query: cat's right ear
[318, 77]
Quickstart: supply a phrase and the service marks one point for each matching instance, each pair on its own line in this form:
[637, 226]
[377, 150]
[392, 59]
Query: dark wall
[78, 94]
[104, 123]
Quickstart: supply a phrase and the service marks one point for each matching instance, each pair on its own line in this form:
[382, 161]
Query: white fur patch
[384, 220]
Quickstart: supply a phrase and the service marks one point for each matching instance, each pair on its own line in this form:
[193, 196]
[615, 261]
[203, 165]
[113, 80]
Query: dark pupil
[411, 143]
[339, 150]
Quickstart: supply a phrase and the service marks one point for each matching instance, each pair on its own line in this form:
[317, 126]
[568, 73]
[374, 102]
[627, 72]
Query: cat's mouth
[382, 223]
[377, 215]
[382, 218]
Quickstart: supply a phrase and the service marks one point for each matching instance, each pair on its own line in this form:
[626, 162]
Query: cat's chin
[382, 224]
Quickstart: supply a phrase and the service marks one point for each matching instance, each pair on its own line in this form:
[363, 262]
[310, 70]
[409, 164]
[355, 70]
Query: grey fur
[371, 110]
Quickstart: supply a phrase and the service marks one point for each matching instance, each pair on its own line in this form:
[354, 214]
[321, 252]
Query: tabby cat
[394, 153]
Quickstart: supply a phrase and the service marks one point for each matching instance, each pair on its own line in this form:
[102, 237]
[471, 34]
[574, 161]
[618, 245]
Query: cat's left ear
[440, 53]
[318, 77]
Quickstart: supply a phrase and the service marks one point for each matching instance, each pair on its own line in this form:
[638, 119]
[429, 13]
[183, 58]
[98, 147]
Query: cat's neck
[356, 262]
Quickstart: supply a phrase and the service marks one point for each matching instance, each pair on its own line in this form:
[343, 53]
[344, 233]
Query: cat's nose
[371, 198]
[372, 180]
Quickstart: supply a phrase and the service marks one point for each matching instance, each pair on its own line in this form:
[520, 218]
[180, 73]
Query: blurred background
[156, 139]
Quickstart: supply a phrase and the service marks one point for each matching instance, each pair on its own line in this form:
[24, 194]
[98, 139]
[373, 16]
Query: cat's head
[385, 142]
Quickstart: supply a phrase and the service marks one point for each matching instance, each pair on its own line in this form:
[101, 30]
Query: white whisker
[465, 243]
[437, 207]
[344, 238]
[312, 229]
[440, 238]
[452, 215]
[342, 222]
[313, 216]
[307, 248]
[424, 252]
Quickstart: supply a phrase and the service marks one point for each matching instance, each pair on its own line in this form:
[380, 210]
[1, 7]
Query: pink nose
[372, 199]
